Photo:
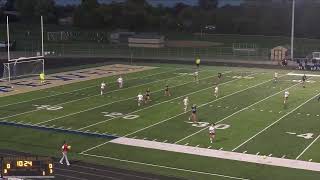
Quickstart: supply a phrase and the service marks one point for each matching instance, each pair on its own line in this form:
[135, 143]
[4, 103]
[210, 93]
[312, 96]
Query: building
[66, 21]
[279, 53]
[121, 36]
[147, 41]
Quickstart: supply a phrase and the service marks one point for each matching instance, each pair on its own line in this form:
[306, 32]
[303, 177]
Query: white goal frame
[8, 68]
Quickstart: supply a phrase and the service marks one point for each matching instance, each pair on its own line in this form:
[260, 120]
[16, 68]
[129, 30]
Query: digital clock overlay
[31, 167]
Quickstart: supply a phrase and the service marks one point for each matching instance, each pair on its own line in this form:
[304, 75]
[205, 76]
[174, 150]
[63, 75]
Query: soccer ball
[69, 147]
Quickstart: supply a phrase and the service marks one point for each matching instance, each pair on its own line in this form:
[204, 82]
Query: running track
[86, 171]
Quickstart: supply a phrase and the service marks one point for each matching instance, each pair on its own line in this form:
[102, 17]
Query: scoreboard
[26, 167]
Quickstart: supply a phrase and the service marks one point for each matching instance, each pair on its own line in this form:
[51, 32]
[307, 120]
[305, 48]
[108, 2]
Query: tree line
[261, 17]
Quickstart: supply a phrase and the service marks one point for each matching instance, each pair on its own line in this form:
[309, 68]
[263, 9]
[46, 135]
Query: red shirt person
[65, 148]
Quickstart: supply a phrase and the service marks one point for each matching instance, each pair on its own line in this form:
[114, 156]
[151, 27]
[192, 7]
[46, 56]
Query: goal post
[22, 68]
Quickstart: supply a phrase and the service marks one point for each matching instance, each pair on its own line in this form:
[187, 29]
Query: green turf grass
[243, 103]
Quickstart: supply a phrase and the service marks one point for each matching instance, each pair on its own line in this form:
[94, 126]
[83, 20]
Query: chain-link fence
[111, 50]
[108, 50]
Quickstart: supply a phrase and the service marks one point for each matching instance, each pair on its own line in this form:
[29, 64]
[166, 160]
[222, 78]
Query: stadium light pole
[8, 38]
[292, 27]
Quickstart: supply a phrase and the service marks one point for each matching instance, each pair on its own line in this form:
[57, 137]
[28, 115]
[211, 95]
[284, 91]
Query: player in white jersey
[216, 91]
[275, 77]
[286, 96]
[120, 82]
[103, 87]
[212, 132]
[140, 99]
[196, 76]
[185, 103]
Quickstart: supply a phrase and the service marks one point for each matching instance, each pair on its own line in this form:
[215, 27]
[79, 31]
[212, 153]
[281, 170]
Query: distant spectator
[305, 64]
[284, 62]
[300, 65]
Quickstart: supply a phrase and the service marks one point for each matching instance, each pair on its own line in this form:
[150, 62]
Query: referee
[64, 149]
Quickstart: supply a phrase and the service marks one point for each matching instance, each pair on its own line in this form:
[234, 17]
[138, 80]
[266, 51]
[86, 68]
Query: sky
[155, 2]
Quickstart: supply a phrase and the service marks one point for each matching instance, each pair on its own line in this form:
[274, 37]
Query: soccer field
[249, 113]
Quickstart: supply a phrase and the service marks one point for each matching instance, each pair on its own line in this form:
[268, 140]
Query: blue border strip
[92, 134]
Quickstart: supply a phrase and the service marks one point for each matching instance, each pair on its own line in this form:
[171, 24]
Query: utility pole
[292, 28]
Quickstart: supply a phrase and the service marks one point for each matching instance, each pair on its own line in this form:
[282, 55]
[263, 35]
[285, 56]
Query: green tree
[10, 5]
[208, 4]
[87, 14]
[31, 10]
[47, 9]
[135, 14]
[26, 9]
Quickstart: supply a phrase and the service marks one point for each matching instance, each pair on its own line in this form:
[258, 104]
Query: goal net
[22, 68]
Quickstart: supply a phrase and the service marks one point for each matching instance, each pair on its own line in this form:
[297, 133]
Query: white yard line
[274, 122]
[155, 104]
[68, 92]
[237, 112]
[88, 97]
[307, 147]
[165, 167]
[78, 112]
[112, 172]
[301, 74]
[86, 173]
[179, 114]
[69, 177]
[205, 152]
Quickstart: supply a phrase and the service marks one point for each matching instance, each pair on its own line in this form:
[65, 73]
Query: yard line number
[117, 114]
[48, 107]
[244, 77]
[206, 124]
[305, 136]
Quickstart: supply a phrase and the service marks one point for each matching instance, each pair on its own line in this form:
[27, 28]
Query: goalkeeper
[198, 62]
[42, 78]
